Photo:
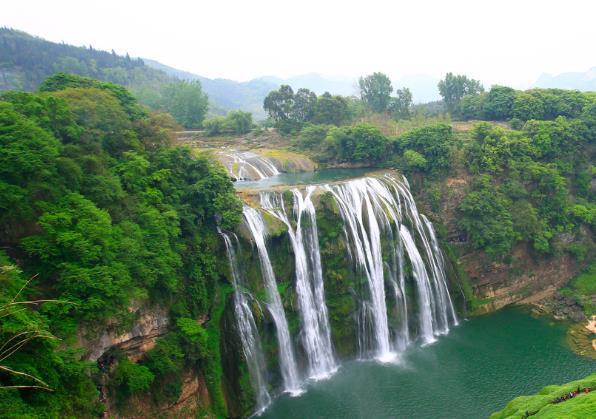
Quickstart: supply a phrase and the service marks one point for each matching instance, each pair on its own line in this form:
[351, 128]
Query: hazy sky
[503, 41]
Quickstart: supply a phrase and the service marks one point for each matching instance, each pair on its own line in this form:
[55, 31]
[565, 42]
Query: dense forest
[100, 213]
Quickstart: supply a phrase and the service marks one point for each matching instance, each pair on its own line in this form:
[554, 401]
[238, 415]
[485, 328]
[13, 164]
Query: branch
[23, 287]
[46, 387]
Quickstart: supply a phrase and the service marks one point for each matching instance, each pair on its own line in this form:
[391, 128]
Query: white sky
[496, 41]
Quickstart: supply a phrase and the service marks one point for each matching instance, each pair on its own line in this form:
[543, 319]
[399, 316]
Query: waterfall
[315, 330]
[249, 334]
[423, 286]
[287, 360]
[384, 234]
[445, 297]
[360, 203]
[372, 208]
[440, 302]
[246, 165]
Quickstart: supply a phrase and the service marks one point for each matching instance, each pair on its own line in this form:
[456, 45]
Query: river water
[470, 373]
[303, 178]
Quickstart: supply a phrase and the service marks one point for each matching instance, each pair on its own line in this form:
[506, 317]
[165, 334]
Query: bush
[362, 143]
[130, 378]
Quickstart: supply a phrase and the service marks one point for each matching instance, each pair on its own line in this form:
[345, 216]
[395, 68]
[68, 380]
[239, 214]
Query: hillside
[26, 60]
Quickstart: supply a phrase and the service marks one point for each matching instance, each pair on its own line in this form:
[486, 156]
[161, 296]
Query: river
[470, 373]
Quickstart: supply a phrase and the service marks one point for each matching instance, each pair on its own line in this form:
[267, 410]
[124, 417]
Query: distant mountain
[585, 81]
[226, 94]
[318, 83]
[249, 95]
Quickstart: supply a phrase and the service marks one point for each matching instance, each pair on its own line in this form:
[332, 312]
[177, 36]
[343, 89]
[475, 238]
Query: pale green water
[470, 373]
[305, 178]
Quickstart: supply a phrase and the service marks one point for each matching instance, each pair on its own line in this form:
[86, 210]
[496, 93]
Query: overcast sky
[509, 42]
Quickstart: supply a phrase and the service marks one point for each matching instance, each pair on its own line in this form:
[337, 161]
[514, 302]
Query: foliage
[97, 203]
[432, 143]
[375, 91]
[63, 380]
[503, 103]
[331, 110]
[130, 378]
[28, 61]
[400, 106]
[290, 111]
[359, 143]
[454, 87]
[185, 101]
[498, 105]
[487, 220]
[236, 122]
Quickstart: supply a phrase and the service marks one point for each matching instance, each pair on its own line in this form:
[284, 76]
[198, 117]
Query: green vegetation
[27, 61]
[235, 122]
[540, 406]
[375, 91]
[583, 288]
[103, 214]
[290, 111]
[455, 87]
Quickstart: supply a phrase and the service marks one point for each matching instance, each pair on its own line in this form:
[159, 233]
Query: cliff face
[525, 278]
[140, 338]
[150, 324]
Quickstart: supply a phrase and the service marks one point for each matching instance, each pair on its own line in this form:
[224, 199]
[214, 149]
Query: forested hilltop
[26, 61]
[100, 216]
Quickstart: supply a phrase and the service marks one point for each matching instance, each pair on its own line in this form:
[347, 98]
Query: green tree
[487, 220]
[375, 91]
[331, 110]
[499, 103]
[186, 101]
[239, 122]
[432, 143]
[527, 106]
[400, 106]
[472, 106]
[304, 105]
[359, 143]
[454, 87]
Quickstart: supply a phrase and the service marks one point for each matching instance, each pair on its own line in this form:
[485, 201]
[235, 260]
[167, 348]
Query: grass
[581, 406]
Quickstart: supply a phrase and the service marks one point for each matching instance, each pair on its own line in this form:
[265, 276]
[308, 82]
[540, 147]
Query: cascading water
[249, 334]
[383, 231]
[359, 210]
[287, 360]
[246, 165]
[440, 300]
[370, 208]
[316, 335]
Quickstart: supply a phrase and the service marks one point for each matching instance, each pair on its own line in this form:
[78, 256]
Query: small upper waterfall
[249, 334]
[287, 360]
[246, 165]
[316, 335]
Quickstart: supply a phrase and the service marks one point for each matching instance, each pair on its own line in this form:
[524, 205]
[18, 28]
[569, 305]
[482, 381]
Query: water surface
[303, 178]
[470, 373]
